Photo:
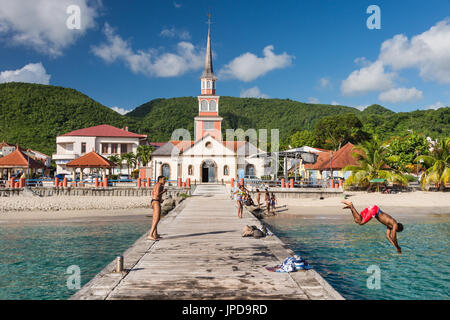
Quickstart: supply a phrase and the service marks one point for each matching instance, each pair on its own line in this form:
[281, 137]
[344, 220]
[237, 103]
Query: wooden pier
[203, 256]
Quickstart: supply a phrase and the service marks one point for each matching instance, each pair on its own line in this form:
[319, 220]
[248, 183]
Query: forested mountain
[33, 115]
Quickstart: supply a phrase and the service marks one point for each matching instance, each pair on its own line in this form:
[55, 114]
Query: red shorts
[370, 212]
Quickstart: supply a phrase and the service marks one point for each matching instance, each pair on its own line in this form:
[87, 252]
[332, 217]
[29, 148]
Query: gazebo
[90, 160]
[19, 160]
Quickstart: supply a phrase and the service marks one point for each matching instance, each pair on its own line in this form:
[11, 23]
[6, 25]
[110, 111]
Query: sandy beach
[408, 203]
[58, 203]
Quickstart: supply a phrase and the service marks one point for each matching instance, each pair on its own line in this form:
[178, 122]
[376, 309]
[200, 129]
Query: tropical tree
[332, 132]
[302, 138]
[144, 153]
[116, 160]
[372, 164]
[130, 159]
[438, 163]
[403, 150]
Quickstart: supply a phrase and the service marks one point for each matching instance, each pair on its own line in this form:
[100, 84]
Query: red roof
[91, 160]
[104, 130]
[341, 158]
[17, 159]
[157, 144]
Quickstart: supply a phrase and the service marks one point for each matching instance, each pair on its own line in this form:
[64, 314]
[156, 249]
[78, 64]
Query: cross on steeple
[209, 21]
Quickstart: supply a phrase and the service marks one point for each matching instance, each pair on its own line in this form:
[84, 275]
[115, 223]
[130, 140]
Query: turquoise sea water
[341, 252]
[34, 258]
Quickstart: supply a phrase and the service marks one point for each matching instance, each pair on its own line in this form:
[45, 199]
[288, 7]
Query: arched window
[225, 171]
[250, 170]
[204, 105]
[209, 85]
[190, 170]
[212, 105]
[203, 84]
[214, 85]
[165, 170]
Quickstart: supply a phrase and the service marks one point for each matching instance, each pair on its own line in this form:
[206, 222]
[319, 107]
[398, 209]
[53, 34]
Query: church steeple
[208, 72]
[208, 78]
[208, 121]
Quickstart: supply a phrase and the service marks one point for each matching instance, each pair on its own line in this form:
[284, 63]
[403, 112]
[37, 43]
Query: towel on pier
[291, 264]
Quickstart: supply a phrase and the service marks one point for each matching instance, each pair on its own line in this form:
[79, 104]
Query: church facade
[208, 158]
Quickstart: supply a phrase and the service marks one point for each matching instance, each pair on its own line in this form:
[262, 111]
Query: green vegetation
[372, 164]
[33, 115]
[438, 164]
[143, 154]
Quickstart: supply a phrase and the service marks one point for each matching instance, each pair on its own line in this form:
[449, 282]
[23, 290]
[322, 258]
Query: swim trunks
[370, 212]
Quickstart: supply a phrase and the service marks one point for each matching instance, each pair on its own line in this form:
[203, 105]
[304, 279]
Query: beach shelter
[90, 160]
[19, 160]
[378, 181]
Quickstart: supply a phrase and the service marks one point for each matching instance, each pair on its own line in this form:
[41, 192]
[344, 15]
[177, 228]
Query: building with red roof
[106, 140]
[329, 161]
[19, 161]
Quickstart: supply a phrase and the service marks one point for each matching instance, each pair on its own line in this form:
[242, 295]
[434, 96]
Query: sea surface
[34, 258]
[360, 263]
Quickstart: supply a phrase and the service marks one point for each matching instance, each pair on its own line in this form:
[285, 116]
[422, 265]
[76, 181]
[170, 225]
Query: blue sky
[129, 52]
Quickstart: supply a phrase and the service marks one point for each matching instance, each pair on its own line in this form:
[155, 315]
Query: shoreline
[75, 216]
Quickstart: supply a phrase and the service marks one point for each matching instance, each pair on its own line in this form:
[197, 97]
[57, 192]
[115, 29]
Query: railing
[15, 183]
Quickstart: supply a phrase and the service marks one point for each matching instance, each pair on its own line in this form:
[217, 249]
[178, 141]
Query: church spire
[208, 72]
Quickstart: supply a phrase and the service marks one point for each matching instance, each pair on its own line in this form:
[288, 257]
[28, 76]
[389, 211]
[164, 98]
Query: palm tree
[144, 153]
[438, 163]
[372, 159]
[130, 159]
[116, 160]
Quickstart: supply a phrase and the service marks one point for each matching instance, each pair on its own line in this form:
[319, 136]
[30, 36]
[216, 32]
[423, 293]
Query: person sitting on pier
[158, 191]
[374, 212]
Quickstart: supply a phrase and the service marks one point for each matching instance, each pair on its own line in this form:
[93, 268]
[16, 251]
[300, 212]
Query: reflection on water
[34, 258]
[341, 252]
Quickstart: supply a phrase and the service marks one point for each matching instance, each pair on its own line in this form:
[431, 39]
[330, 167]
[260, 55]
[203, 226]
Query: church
[208, 158]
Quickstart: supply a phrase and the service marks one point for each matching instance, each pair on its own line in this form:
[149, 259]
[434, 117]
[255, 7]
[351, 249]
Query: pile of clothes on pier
[291, 264]
[255, 232]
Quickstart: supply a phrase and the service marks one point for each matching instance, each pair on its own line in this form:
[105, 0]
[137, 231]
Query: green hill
[33, 115]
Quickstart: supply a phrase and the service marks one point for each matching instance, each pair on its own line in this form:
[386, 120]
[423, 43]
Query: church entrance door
[208, 170]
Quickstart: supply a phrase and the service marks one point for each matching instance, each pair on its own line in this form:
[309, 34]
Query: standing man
[258, 198]
[158, 191]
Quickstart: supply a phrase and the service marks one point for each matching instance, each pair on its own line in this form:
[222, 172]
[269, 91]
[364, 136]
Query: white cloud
[361, 107]
[313, 100]
[436, 106]
[370, 78]
[174, 32]
[150, 62]
[253, 93]
[177, 5]
[31, 73]
[248, 67]
[122, 111]
[324, 82]
[429, 52]
[41, 24]
[401, 95]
